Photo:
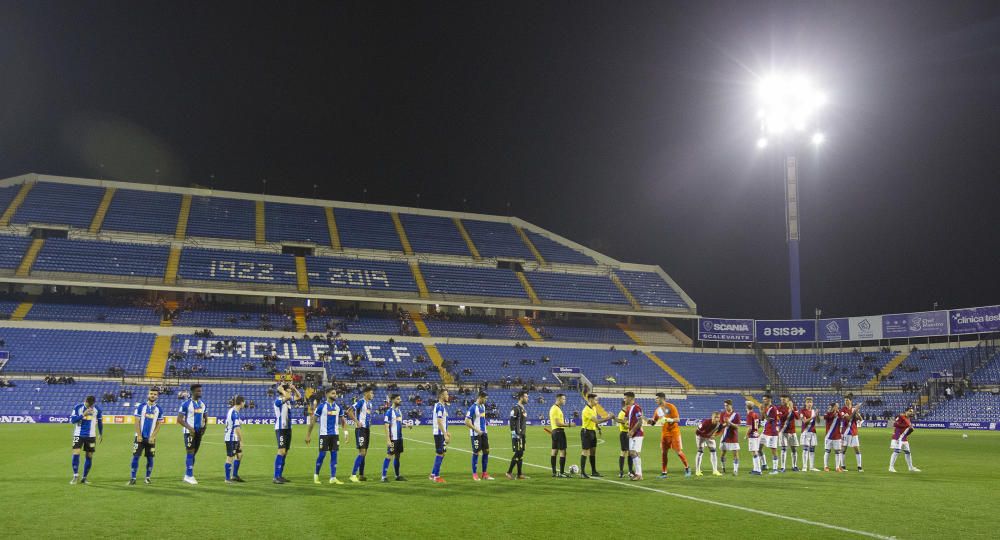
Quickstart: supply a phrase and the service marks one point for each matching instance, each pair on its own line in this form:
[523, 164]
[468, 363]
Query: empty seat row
[152, 212]
[60, 204]
[106, 258]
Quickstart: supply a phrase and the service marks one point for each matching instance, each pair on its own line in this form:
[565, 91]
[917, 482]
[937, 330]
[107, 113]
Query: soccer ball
[965, 435]
[573, 469]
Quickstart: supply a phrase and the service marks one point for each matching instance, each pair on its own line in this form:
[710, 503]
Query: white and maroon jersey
[771, 418]
[707, 429]
[753, 425]
[634, 417]
[788, 418]
[730, 434]
[903, 428]
[808, 420]
[833, 426]
[850, 422]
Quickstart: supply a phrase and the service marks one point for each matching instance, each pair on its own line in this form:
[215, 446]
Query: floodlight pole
[792, 233]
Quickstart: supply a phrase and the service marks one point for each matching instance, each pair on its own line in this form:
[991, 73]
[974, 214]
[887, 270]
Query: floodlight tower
[788, 110]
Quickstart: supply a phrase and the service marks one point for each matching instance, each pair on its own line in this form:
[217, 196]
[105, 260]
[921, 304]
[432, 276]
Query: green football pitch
[954, 495]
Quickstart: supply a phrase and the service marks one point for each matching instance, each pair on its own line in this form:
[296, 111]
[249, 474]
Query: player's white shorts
[852, 441]
[899, 445]
[753, 444]
[831, 444]
[770, 441]
[808, 439]
[635, 444]
[789, 439]
[702, 442]
[731, 446]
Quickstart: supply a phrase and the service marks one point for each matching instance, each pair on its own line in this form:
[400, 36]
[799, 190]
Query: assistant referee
[588, 436]
[558, 424]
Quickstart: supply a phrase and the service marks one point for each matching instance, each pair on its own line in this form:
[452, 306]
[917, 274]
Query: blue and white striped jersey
[148, 416]
[88, 424]
[194, 413]
[394, 419]
[477, 413]
[282, 414]
[233, 421]
[363, 412]
[440, 411]
[328, 417]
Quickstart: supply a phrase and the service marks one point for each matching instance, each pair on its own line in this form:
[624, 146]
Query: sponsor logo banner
[834, 329]
[725, 330]
[306, 363]
[974, 320]
[803, 330]
[906, 325]
[865, 328]
[559, 370]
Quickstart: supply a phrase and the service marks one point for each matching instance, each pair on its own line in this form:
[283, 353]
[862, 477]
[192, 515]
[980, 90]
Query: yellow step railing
[528, 289]
[418, 276]
[301, 274]
[182, 218]
[173, 263]
[300, 319]
[468, 239]
[158, 357]
[530, 329]
[261, 224]
[403, 239]
[628, 294]
[15, 203]
[30, 255]
[531, 245]
[102, 210]
[331, 225]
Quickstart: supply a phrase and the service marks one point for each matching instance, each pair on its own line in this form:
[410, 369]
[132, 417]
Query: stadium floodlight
[788, 107]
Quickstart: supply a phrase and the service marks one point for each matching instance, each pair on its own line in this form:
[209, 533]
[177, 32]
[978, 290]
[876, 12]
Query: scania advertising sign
[726, 330]
[796, 331]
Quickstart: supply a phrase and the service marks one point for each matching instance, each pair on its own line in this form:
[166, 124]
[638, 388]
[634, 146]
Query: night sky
[626, 126]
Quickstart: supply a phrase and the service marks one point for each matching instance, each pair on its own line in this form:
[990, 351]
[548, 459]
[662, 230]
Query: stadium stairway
[683, 338]
[331, 225]
[526, 323]
[15, 203]
[531, 246]
[438, 361]
[888, 368]
[30, 255]
[301, 274]
[22, 310]
[418, 276]
[260, 236]
[632, 335]
[468, 239]
[182, 222]
[403, 239]
[628, 295]
[300, 318]
[158, 357]
[528, 288]
[173, 263]
[421, 326]
[670, 371]
[102, 210]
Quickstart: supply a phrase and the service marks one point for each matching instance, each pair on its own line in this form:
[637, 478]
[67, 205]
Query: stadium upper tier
[179, 237]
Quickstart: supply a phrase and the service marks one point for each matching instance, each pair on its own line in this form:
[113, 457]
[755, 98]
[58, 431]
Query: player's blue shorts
[439, 445]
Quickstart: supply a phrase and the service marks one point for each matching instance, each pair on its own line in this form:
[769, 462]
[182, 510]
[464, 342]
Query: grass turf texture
[953, 494]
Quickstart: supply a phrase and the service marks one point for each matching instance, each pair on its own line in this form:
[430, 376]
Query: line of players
[779, 431]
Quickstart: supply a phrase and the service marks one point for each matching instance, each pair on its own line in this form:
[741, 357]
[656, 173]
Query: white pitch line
[705, 501]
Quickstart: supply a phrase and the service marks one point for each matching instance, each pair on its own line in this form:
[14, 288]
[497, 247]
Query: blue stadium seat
[76, 352]
[554, 252]
[217, 217]
[575, 288]
[649, 289]
[12, 250]
[472, 281]
[237, 266]
[60, 204]
[433, 234]
[712, 370]
[296, 223]
[143, 211]
[106, 258]
[366, 229]
[371, 274]
[497, 239]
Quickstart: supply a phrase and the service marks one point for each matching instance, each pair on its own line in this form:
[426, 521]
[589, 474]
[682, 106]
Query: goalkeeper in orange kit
[670, 438]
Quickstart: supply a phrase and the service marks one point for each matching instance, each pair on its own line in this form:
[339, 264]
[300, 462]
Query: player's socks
[333, 464]
[135, 466]
[593, 462]
[486, 461]
[76, 464]
[357, 465]
[697, 460]
[621, 465]
[149, 467]
[892, 459]
[236, 468]
[361, 471]
[736, 465]
[774, 463]
[909, 459]
[190, 465]
[319, 460]
[857, 458]
[714, 459]
[638, 466]
[722, 463]
[663, 462]
[229, 471]
[436, 471]
[385, 466]
[583, 464]
[279, 460]
[520, 465]
[562, 465]
[826, 459]
[783, 456]
[475, 463]
[395, 465]
[553, 460]
[631, 465]
[87, 462]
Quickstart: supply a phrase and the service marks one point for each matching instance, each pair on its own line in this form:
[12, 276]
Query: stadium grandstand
[112, 288]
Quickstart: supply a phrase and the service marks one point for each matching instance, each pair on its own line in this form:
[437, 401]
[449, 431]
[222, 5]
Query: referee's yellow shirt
[589, 418]
[622, 426]
[556, 419]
